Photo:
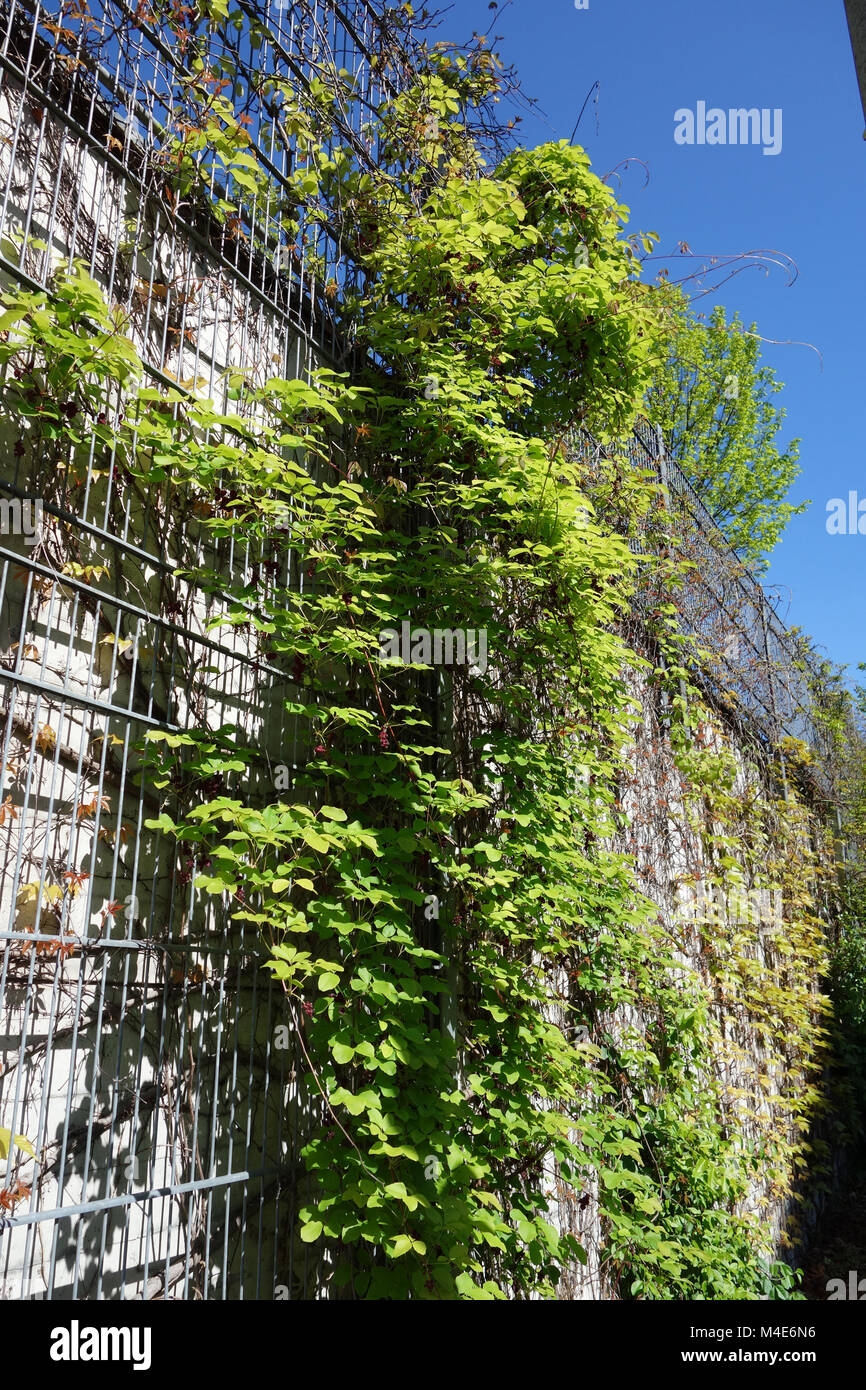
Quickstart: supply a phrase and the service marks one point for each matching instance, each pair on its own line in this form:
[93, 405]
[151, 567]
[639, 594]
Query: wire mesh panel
[749, 663]
[148, 1080]
[98, 114]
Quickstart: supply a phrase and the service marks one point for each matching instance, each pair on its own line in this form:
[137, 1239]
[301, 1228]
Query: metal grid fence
[750, 664]
[140, 1049]
[139, 1045]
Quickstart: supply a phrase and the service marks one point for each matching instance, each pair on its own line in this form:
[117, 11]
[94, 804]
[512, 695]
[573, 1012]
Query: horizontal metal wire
[109, 1203]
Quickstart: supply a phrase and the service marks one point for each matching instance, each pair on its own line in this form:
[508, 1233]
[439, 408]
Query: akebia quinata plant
[438, 884]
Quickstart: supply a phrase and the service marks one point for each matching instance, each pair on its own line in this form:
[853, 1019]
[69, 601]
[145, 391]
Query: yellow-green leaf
[7, 1139]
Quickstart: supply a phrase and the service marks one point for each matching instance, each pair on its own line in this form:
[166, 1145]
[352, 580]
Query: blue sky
[808, 202]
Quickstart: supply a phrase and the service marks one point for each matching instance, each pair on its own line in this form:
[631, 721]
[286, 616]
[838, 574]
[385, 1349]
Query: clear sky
[808, 203]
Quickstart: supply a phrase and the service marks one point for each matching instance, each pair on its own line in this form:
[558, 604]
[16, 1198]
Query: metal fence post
[776, 725]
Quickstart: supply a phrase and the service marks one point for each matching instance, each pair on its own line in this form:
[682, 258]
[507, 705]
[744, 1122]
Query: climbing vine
[499, 1024]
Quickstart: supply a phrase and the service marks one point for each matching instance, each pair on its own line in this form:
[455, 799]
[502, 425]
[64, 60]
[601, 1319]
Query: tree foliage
[714, 400]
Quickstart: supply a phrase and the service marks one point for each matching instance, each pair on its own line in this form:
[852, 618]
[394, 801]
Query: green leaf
[316, 841]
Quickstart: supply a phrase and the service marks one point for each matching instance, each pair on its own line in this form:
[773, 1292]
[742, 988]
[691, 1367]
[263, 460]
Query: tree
[714, 401]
